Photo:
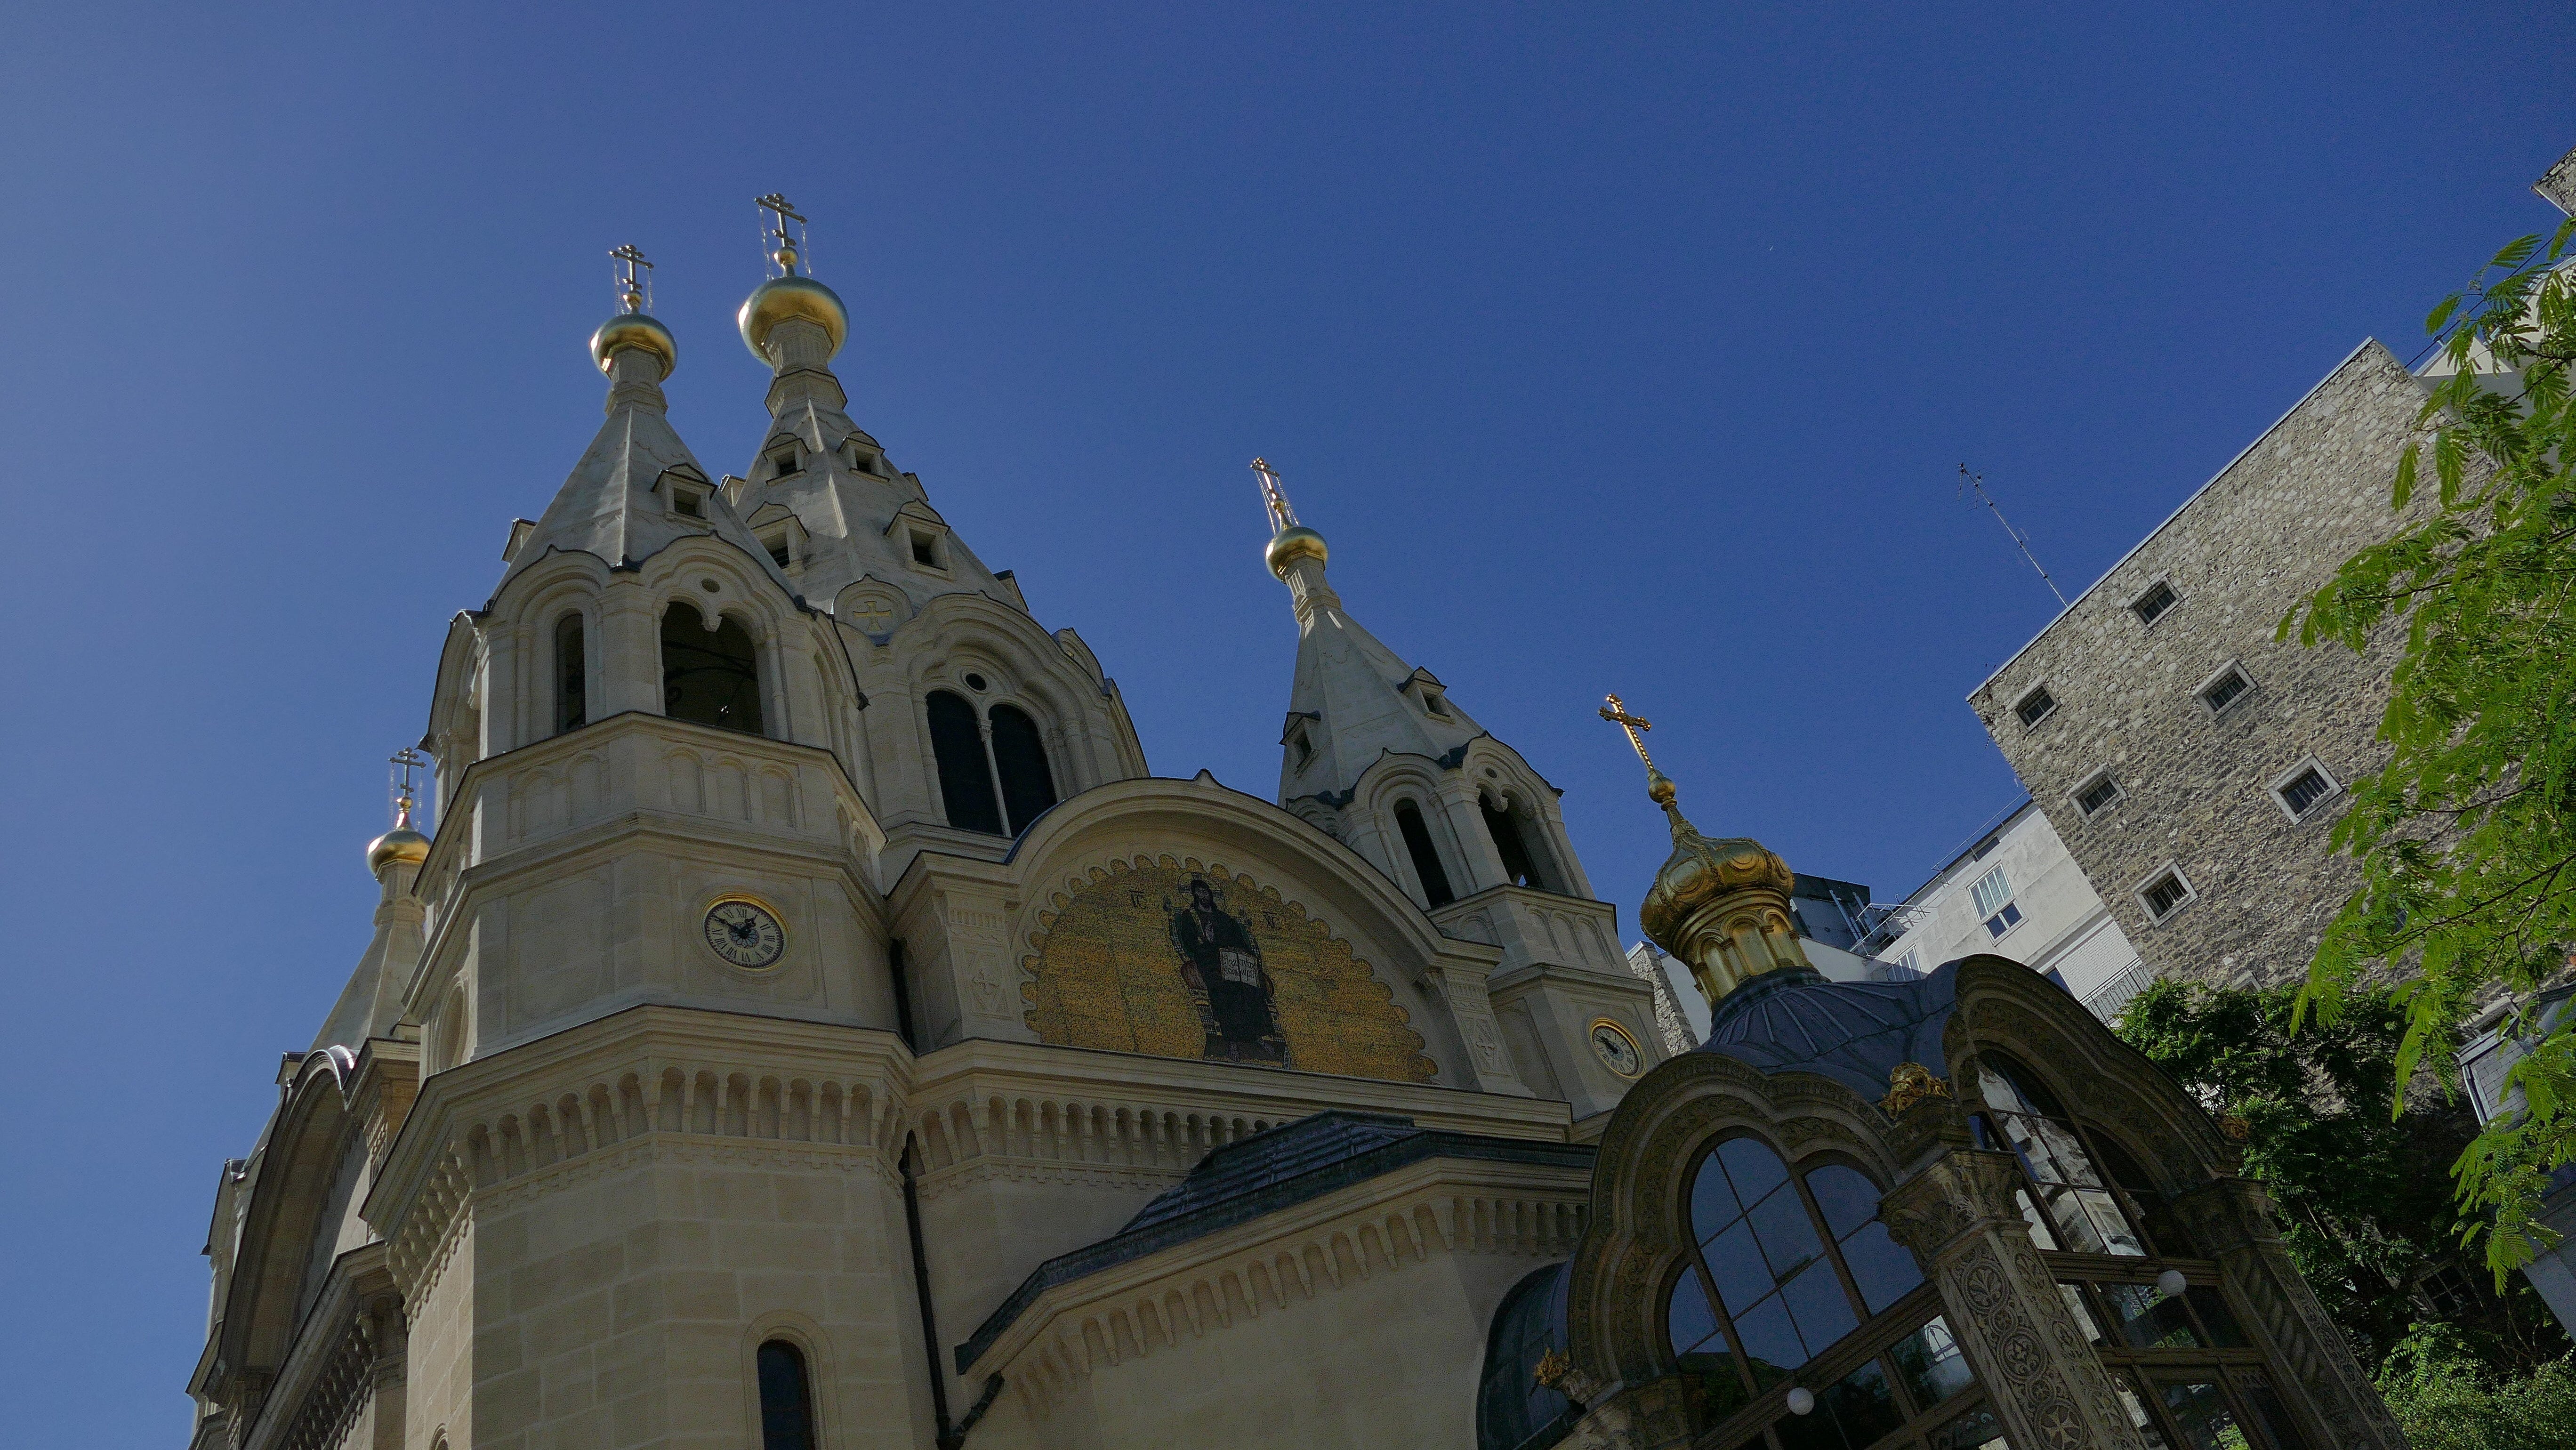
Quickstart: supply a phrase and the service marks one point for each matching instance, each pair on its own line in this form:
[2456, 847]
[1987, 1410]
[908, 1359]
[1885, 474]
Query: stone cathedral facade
[811, 1025]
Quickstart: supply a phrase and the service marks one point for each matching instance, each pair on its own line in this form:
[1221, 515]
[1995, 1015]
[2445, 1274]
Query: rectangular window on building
[2092, 796]
[2224, 689]
[2301, 790]
[2158, 598]
[2034, 707]
[689, 503]
[2164, 894]
[1993, 896]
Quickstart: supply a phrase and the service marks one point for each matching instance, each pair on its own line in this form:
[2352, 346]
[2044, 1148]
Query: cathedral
[810, 1026]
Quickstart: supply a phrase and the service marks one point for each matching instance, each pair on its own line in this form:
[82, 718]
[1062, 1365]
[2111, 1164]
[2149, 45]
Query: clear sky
[1614, 347]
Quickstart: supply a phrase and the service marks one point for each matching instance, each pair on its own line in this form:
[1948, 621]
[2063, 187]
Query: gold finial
[1290, 540]
[1659, 789]
[785, 252]
[634, 287]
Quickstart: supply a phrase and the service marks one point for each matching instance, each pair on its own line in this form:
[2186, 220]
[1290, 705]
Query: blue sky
[1613, 347]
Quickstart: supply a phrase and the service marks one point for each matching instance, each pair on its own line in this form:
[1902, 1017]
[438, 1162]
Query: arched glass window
[711, 677]
[572, 675]
[965, 781]
[1783, 1267]
[1520, 863]
[786, 1400]
[1512, 1408]
[1019, 758]
[2075, 1209]
[1426, 861]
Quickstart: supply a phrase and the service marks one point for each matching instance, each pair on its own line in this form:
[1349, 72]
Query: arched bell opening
[709, 677]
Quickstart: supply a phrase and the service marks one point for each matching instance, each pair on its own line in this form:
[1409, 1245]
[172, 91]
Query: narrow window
[863, 462]
[1305, 750]
[2154, 602]
[2164, 895]
[785, 462]
[1019, 757]
[2099, 793]
[2058, 1173]
[689, 502]
[965, 782]
[2302, 791]
[778, 551]
[1431, 702]
[1518, 867]
[786, 1401]
[925, 551]
[2035, 706]
[572, 676]
[2224, 691]
[1426, 861]
[709, 676]
[1993, 896]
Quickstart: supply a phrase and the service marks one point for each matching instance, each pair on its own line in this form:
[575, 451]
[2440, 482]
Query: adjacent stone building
[2193, 764]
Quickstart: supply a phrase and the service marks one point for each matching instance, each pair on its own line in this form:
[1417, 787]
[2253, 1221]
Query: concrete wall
[2063, 926]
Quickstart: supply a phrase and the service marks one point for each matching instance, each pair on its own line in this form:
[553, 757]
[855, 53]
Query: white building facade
[2017, 893]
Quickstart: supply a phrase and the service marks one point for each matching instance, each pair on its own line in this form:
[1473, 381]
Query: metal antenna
[1977, 483]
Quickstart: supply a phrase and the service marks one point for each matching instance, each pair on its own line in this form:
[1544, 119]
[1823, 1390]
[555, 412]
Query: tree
[2466, 839]
[2365, 1207]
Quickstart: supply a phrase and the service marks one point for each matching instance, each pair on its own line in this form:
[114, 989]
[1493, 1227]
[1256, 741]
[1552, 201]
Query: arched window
[786, 1400]
[710, 677]
[1019, 758]
[965, 781]
[1520, 862]
[1783, 1267]
[2082, 1214]
[1426, 861]
[572, 675]
[1512, 1407]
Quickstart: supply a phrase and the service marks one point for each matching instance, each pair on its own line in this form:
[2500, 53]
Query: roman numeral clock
[745, 932]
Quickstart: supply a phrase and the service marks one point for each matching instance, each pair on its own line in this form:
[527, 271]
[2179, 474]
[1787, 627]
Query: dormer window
[783, 462]
[778, 551]
[925, 549]
[1305, 749]
[688, 502]
[1431, 703]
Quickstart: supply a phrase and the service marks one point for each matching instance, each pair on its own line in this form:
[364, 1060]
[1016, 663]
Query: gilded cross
[405, 761]
[1617, 714]
[1275, 498]
[631, 282]
[785, 249]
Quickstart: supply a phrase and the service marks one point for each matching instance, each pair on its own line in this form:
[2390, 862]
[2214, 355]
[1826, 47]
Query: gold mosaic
[1180, 959]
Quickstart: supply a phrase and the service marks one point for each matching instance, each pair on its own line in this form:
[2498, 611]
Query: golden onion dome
[1293, 543]
[1701, 870]
[634, 329]
[781, 298]
[402, 843]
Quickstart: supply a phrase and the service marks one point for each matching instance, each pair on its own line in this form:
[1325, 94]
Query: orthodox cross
[1282, 517]
[787, 249]
[630, 282]
[1617, 714]
[405, 761]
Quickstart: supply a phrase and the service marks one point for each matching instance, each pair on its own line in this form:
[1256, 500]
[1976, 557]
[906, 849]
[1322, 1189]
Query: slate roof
[1853, 1032]
[1269, 1171]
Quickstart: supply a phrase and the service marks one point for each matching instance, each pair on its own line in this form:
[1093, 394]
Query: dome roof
[781, 298]
[402, 843]
[634, 329]
[1293, 543]
[1856, 1033]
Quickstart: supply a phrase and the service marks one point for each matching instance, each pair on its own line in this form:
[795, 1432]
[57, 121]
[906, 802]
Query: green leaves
[2466, 838]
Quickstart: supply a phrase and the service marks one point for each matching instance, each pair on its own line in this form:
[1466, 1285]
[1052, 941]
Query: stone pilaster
[2230, 1220]
[1958, 1217]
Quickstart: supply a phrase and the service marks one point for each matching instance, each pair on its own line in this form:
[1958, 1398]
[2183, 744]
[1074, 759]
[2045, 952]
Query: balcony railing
[2105, 1001]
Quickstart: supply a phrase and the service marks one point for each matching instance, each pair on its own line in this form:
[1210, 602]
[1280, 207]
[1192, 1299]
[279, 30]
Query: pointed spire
[1721, 906]
[637, 489]
[372, 1001]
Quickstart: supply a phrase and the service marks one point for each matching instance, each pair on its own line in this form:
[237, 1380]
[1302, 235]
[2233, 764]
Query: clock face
[1616, 1048]
[745, 933]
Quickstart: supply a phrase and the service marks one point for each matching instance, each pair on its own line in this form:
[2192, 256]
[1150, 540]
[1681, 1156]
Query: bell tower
[1376, 754]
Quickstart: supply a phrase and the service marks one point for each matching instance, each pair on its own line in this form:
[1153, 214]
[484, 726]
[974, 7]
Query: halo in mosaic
[1182, 959]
